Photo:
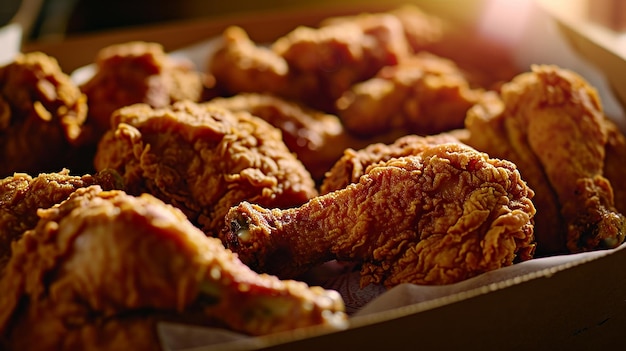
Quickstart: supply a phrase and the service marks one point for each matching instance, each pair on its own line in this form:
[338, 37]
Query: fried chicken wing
[317, 138]
[137, 72]
[103, 267]
[41, 116]
[22, 195]
[551, 124]
[203, 159]
[424, 94]
[352, 165]
[443, 215]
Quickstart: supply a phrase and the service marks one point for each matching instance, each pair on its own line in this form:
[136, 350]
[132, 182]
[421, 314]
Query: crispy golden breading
[424, 94]
[137, 72]
[203, 159]
[317, 138]
[41, 116]
[352, 165]
[21, 196]
[551, 124]
[102, 267]
[443, 215]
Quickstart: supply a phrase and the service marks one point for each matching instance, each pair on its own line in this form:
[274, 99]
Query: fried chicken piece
[446, 214]
[310, 65]
[203, 159]
[316, 65]
[324, 62]
[240, 65]
[486, 118]
[425, 94]
[317, 138]
[137, 72]
[41, 115]
[352, 165]
[550, 123]
[22, 195]
[100, 269]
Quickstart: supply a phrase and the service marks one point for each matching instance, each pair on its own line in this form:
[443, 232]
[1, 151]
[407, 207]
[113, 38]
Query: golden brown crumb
[203, 159]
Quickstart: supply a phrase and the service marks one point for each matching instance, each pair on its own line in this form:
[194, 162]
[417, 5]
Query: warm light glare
[505, 20]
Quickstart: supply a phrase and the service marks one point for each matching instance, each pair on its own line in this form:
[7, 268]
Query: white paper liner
[408, 294]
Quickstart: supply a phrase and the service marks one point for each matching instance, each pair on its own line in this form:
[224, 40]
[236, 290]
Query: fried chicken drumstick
[100, 269]
[550, 123]
[440, 216]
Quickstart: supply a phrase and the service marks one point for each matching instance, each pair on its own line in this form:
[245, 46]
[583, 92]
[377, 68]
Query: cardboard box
[576, 302]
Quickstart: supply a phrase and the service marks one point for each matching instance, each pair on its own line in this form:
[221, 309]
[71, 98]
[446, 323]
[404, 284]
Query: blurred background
[51, 19]
[44, 23]
[54, 19]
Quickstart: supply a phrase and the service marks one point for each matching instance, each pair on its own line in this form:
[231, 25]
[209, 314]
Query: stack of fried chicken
[152, 193]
